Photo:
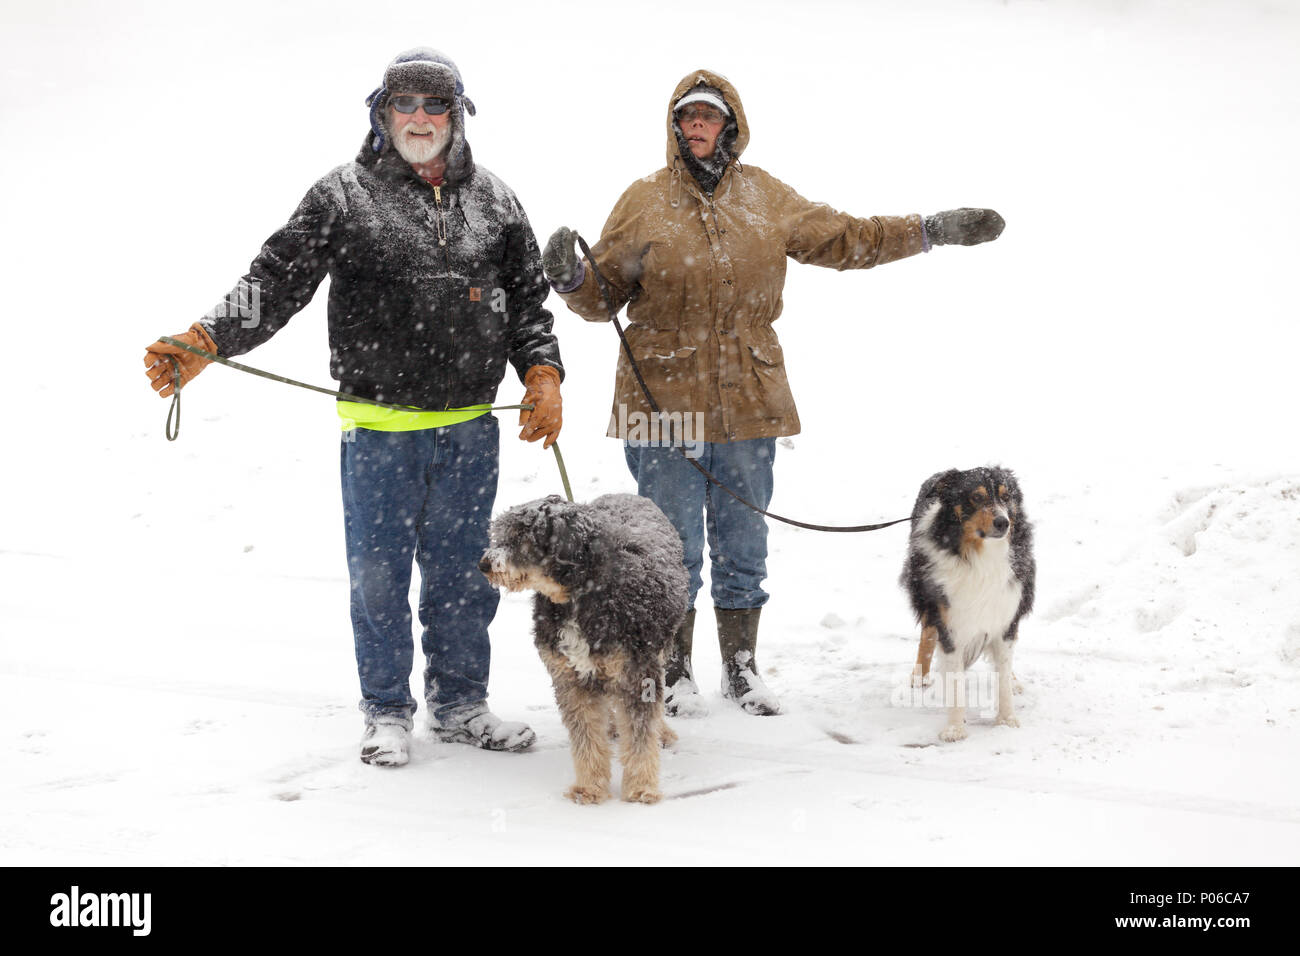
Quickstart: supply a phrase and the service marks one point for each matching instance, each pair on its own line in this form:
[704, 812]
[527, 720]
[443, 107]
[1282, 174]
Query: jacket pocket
[659, 348]
[480, 342]
[770, 355]
[771, 393]
[671, 364]
[667, 367]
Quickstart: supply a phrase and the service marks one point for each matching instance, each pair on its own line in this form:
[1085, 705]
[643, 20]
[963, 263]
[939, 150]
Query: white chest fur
[576, 650]
[983, 592]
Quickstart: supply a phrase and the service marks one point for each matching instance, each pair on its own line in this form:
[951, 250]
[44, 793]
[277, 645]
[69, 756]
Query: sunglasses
[433, 105]
[710, 114]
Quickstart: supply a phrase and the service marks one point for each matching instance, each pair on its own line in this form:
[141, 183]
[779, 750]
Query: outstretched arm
[818, 235]
[280, 281]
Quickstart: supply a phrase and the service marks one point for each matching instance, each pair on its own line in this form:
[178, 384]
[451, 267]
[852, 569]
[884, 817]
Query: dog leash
[654, 407]
[173, 432]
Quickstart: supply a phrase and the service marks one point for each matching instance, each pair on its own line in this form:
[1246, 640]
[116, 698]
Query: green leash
[564, 475]
[173, 434]
[173, 431]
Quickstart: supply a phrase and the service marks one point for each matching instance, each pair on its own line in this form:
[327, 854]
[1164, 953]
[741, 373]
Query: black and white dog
[611, 592]
[970, 576]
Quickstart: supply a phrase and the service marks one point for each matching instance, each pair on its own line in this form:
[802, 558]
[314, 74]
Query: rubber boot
[737, 639]
[682, 697]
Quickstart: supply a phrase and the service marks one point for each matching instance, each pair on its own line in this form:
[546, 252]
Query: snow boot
[479, 727]
[737, 638]
[682, 697]
[386, 744]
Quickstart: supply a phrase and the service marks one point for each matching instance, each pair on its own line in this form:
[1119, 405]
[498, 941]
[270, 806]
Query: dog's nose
[485, 563]
[1000, 524]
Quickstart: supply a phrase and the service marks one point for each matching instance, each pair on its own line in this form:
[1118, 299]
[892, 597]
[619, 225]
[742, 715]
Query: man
[435, 283]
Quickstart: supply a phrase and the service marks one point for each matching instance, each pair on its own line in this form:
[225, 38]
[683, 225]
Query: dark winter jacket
[412, 320]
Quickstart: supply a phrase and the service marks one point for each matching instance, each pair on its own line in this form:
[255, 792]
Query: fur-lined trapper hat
[427, 72]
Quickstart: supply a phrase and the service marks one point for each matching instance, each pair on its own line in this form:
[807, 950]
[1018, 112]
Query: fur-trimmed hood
[732, 98]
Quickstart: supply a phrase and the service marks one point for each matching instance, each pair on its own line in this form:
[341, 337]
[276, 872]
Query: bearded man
[435, 284]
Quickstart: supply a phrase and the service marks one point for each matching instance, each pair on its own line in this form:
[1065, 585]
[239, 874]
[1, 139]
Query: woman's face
[700, 124]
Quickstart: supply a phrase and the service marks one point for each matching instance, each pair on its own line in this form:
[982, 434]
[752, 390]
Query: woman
[698, 250]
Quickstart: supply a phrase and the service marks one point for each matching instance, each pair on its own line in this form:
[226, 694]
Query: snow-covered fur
[611, 592]
[970, 576]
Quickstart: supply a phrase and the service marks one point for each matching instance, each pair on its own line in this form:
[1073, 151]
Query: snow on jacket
[703, 278]
[411, 320]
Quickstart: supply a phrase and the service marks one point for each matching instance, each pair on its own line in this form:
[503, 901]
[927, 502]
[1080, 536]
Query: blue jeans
[424, 497]
[737, 536]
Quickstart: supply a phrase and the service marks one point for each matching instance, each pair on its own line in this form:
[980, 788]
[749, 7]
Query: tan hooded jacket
[703, 279]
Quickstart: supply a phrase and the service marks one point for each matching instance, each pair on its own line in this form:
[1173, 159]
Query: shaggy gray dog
[611, 592]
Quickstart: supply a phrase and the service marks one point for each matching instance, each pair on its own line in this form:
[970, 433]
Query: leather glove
[558, 258]
[159, 368]
[542, 384]
[963, 227]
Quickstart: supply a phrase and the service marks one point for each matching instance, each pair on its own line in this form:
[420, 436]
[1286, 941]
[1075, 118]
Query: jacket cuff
[579, 276]
[205, 337]
[542, 371]
[925, 237]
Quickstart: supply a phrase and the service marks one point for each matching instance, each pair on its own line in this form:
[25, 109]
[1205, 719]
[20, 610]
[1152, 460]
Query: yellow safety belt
[376, 418]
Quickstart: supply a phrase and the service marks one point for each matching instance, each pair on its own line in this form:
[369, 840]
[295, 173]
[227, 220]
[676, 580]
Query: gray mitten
[558, 258]
[963, 227]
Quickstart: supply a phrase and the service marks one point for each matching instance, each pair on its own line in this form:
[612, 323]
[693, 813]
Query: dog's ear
[571, 536]
[937, 484]
[1006, 477]
[543, 518]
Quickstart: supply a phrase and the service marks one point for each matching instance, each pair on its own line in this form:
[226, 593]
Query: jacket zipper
[442, 216]
[442, 241]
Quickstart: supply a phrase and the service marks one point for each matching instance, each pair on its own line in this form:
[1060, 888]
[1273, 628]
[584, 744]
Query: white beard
[422, 149]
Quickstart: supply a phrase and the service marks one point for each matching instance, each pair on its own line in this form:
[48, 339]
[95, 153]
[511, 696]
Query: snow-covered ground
[176, 675]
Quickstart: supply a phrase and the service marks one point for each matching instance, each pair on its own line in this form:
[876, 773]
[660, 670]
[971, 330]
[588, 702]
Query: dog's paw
[588, 794]
[643, 795]
[922, 681]
[953, 733]
[667, 736]
[1009, 720]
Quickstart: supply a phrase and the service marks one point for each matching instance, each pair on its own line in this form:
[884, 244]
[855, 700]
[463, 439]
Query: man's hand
[542, 383]
[558, 258]
[963, 227]
[159, 368]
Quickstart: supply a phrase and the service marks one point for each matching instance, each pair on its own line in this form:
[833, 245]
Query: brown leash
[654, 407]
